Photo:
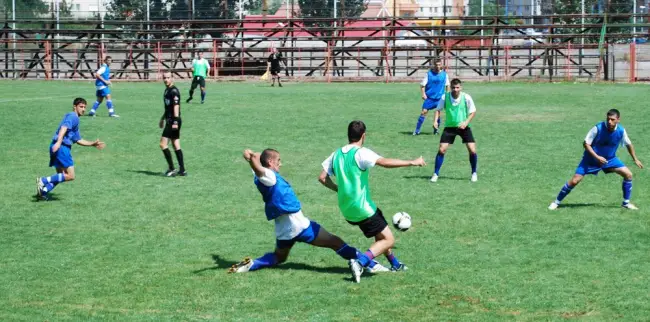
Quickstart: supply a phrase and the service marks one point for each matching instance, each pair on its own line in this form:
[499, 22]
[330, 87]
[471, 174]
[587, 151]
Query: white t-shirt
[471, 108]
[365, 158]
[287, 226]
[591, 135]
[425, 80]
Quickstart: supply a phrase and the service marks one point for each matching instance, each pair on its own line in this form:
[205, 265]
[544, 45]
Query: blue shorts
[61, 158]
[590, 166]
[430, 104]
[103, 92]
[306, 236]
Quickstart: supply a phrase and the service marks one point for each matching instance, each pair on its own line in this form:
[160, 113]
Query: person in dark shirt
[273, 65]
[171, 121]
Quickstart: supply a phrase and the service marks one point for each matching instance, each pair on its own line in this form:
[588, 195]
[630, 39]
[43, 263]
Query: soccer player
[601, 144]
[291, 226]
[102, 83]
[459, 110]
[200, 71]
[273, 65]
[350, 165]
[171, 120]
[60, 150]
[433, 86]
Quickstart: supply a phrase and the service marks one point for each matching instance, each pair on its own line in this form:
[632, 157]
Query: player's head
[108, 60]
[79, 106]
[613, 117]
[167, 79]
[436, 65]
[200, 55]
[456, 87]
[270, 159]
[356, 132]
[274, 50]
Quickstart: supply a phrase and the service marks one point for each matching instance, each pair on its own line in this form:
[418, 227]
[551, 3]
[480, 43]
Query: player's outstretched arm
[97, 143]
[397, 163]
[254, 162]
[632, 152]
[326, 180]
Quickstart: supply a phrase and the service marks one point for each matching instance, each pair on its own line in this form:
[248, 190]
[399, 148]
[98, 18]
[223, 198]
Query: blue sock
[109, 105]
[473, 160]
[566, 189]
[419, 125]
[49, 187]
[347, 252]
[53, 179]
[393, 260]
[268, 260]
[627, 191]
[203, 95]
[440, 158]
[365, 258]
[95, 106]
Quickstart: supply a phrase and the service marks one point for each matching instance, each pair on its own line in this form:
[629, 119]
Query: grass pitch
[122, 242]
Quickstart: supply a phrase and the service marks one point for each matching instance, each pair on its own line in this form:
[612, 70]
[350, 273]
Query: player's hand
[435, 125]
[248, 154]
[602, 160]
[424, 97]
[419, 162]
[56, 147]
[638, 164]
[462, 126]
[99, 144]
[175, 126]
[161, 124]
[109, 83]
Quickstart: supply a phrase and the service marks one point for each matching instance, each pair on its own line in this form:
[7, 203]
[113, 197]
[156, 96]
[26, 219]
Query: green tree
[325, 9]
[25, 9]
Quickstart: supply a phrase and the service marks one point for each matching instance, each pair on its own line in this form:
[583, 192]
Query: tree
[25, 9]
[325, 9]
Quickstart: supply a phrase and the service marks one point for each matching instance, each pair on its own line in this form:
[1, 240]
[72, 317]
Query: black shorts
[449, 135]
[373, 225]
[275, 71]
[198, 80]
[169, 132]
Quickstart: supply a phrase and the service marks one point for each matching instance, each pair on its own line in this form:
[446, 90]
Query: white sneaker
[434, 178]
[415, 133]
[241, 267]
[474, 177]
[115, 116]
[39, 187]
[356, 269]
[553, 206]
[378, 268]
[629, 206]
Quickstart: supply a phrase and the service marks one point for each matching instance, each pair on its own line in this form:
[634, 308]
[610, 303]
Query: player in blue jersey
[102, 83]
[291, 226]
[601, 144]
[60, 148]
[433, 86]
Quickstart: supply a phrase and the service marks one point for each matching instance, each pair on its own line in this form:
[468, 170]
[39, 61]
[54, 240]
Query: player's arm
[59, 139]
[471, 110]
[326, 180]
[423, 84]
[397, 163]
[253, 160]
[630, 149]
[177, 109]
[589, 139]
[193, 62]
[97, 143]
[98, 75]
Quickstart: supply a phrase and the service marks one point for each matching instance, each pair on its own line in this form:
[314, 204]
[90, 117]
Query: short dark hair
[78, 101]
[356, 129]
[107, 58]
[613, 112]
[267, 155]
[455, 81]
[435, 61]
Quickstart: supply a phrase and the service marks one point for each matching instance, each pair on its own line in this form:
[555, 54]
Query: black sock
[179, 157]
[168, 157]
[191, 93]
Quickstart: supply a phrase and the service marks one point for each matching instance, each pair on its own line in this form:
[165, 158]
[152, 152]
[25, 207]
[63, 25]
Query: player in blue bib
[433, 86]
[283, 207]
[601, 144]
[60, 150]
[102, 83]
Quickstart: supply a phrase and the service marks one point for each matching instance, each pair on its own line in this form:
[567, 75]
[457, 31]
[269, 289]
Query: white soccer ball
[402, 221]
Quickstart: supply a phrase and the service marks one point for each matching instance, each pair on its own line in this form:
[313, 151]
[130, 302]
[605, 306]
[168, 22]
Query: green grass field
[122, 242]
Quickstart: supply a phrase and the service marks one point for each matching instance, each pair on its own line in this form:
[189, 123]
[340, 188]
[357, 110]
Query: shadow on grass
[439, 178]
[585, 205]
[149, 173]
[51, 197]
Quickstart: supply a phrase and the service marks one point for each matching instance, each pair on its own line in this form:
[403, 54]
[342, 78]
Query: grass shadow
[51, 197]
[439, 178]
[584, 205]
[219, 263]
[149, 173]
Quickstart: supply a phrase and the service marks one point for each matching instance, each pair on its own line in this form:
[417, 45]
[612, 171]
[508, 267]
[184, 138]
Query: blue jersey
[436, 83]
[105, 72]
[606, 142]
[71, 121]
[279, 199]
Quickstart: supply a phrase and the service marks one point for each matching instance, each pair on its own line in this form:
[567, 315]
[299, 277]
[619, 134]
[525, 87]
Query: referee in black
[273, 65]
[171, 121]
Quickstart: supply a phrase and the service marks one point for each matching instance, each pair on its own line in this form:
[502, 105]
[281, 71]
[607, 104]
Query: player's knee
[442, 150]
[68, 176]
[424, 113]
[163, 145]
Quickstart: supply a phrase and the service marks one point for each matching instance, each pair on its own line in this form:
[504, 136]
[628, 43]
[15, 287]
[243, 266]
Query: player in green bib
[350, 165]
[200, 71]
[459, 110]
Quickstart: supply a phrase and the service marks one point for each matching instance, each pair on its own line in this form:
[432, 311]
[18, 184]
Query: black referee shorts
[198, 80]
[373, 225]
[169, 132]
[275, 71]
[449, 135]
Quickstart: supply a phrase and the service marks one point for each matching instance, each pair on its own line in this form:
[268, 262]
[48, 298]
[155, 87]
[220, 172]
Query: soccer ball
[402, 221]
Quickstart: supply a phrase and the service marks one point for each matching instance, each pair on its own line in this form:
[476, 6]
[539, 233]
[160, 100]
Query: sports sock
[627, 191]
[393, 260]
[365, 258]
[168, 157]
[347, 252]
[95, 106]
[473, 160]
[566, 189]
[419, 125]
[56, 178]
[202, 95]
[49, 187]
[109, 105]
[267, 260]
[179, 158]
[440, 158]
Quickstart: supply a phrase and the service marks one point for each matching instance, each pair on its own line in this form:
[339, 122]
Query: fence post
[632, 72]
[214, 59]
[567, 62]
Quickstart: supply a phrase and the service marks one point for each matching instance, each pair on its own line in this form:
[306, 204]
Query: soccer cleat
[114, 115]
[356, 269]
[400, 267]
[170, 173]
[279, 84]
[188, 100]
[241, 267]
[39, 187]
[182, 173]
[435, 131]
[91, 114]
[474, 177]
[553, 205]
[629, 206]
[416, 133]
[434, 178]
[378, 268]
[202, 101]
